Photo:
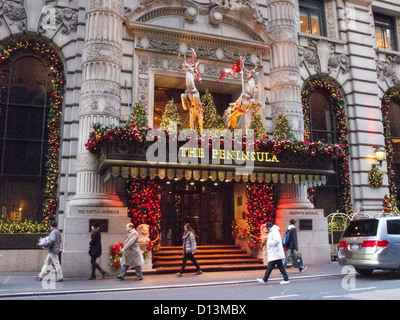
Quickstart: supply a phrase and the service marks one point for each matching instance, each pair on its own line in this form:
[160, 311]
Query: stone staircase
[210, 258]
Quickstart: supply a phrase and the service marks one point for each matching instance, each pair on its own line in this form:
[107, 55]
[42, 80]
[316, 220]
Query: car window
[361, 228]
[393, 226]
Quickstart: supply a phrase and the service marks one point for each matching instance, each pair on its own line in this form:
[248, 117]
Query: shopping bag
[297, 260]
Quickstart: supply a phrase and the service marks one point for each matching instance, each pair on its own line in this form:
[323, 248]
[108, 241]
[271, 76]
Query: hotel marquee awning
[123, 160]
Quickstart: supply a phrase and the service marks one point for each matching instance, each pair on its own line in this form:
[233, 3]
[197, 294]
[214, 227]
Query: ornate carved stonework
[87, 162]
[100, 97]
[13, 12]
[321, 55]
[114, 6]
[102, 50]
[52, 16]
[206, 50]
[387, 70]
[229, 12]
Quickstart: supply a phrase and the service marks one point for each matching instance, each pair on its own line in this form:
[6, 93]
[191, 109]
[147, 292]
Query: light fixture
[380, 154]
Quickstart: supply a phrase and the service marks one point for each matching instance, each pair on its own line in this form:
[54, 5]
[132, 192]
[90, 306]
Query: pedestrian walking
[53, 244]
[292, 246]
[275, 253]
[95, 250]
[189, 248]
[131, 253]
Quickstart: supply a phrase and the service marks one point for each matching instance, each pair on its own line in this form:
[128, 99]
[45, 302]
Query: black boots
[93, 276]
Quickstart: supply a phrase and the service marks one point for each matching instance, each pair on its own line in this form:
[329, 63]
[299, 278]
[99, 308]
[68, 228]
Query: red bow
[237, 67]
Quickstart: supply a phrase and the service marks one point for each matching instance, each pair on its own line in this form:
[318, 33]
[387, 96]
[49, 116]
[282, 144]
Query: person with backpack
[290, 242]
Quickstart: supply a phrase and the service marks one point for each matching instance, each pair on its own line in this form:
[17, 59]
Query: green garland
[391, 96]
[45, 52]
[341, 130]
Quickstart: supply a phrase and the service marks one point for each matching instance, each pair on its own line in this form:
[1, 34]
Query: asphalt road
[378, 286]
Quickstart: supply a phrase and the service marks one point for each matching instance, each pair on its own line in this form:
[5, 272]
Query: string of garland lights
[337, 103]
[56, 68]
[391, 96]
[140, 197]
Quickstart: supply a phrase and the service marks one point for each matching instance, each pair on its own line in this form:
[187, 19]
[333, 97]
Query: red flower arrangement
[144, 207]
[260, 210]
[115, 255]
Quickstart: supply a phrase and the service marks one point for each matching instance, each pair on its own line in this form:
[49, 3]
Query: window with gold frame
[385, 30]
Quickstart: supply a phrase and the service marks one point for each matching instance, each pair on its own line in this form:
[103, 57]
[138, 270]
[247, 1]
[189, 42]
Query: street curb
[166, 286]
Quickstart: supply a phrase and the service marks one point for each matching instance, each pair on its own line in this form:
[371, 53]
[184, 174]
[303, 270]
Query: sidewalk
[20, 284]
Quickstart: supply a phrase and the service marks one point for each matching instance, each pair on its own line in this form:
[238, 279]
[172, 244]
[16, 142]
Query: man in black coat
[292, 245]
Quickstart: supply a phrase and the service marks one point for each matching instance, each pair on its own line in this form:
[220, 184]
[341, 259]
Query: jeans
[51, 258]
[189, 256]
[271, 265]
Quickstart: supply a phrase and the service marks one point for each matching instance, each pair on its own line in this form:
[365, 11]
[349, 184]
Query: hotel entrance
[208, 207]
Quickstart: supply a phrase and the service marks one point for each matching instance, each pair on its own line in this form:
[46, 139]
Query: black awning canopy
[125, 160]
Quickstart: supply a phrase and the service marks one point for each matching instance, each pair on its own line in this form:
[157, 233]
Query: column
[100, 102]
[285, 80]
[100, 99]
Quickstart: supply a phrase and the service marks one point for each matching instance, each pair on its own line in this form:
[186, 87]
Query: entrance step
[210, 258]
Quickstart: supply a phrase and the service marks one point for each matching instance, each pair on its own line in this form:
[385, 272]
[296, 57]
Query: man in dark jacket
[53, 245]
[95, 250]
[292, 245]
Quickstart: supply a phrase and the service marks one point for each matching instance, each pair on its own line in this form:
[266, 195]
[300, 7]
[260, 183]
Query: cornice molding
[175, 39]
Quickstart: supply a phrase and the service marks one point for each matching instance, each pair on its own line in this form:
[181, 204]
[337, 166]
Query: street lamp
[380, 154]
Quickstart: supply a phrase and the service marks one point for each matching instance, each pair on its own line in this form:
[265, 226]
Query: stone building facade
[116, 53]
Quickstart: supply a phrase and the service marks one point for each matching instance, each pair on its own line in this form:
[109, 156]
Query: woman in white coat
[275, 253]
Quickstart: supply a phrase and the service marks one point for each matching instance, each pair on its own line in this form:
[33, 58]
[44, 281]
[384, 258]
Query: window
[321, 118]
[362, 228]
[385, 31]
[312, 17]
[394, 120]
[23, 138]
[393, 226]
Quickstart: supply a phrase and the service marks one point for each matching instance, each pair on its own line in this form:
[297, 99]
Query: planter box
[20, 241]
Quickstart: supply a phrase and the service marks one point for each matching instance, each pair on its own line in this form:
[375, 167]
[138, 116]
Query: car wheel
[364, 272]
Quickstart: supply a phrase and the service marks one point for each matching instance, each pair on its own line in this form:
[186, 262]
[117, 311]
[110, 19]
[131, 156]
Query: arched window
[394, 120]
[322, 127]
[24, 109]
[325, 121]
[392, 131]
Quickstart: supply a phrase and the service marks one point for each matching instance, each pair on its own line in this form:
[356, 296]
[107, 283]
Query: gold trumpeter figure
[246, 102]
[191, 97]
